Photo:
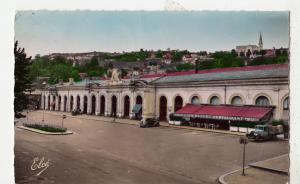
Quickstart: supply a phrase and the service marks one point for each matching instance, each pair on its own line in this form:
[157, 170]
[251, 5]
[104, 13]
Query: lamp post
[62, 121]
[244, 141]
[43, 120]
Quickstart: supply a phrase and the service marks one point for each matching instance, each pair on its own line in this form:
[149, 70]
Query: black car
[149, 122]
[76, 112]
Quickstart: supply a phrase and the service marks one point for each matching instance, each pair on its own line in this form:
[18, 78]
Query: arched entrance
[139, 112]
[53, 103]
[71, 103]
[85, 104]
[102, 105]
[59, 103]
[178, 103]
[78, 102]
[65, 103]
[126, 106]
[113, 106]
[93, 104]
[48, 105]
[44, 102]
[162, 108]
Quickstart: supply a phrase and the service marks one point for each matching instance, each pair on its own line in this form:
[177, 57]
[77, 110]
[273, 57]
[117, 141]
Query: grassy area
[46, 128]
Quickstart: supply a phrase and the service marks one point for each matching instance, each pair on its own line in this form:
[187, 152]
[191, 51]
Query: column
[132, 103]
[51, 101]
[119, 106]
[56, 103]
[107, 106]
[82, 103]
[89, 103]
[42, 101]
[74, 102]
[148, 106]
[98, 104]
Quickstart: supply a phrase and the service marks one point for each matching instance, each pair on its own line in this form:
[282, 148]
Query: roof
[224, 112]
[248, 72]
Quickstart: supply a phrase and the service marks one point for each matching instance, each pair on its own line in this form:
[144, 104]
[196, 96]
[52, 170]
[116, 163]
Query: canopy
[137, 108]
[225, 112]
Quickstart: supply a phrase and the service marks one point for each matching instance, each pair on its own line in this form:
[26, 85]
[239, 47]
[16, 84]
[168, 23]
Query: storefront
[225, 117]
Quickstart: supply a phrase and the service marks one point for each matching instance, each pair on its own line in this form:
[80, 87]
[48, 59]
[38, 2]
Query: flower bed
[46, 128]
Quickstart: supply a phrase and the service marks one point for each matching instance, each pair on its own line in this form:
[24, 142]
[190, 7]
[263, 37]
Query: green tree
[22, 82]
[186, 66]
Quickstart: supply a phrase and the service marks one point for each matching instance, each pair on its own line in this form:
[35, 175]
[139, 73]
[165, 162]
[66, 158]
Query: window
[286, 103]
[236, 100]
[215, 100]
[195, 100]
[262, 101]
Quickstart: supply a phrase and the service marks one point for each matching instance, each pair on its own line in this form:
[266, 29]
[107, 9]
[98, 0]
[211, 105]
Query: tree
[22, 82]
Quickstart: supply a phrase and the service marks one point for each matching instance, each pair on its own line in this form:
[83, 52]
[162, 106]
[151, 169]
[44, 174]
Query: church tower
[260, 43]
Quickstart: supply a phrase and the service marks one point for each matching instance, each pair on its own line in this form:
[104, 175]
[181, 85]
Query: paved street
[104, 152]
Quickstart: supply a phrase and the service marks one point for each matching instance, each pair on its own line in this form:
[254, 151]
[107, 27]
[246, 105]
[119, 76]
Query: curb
[44, 132]
[221, 178]
[269, 169]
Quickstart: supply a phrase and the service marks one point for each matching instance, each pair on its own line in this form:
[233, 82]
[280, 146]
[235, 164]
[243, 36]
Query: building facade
[162, 94]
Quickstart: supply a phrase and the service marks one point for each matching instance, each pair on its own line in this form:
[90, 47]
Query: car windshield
[260, 128]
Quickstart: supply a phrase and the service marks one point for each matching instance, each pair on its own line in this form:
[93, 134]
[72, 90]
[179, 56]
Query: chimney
[61, 82]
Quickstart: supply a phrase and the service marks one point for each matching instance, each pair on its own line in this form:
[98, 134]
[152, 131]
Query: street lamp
[44, 98]
[62, 121]
[244, 141]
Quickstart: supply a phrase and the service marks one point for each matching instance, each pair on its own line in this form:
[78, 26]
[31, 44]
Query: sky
[44, 32]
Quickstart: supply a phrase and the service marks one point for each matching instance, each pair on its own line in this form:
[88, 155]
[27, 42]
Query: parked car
[149, 122]
[76, 112]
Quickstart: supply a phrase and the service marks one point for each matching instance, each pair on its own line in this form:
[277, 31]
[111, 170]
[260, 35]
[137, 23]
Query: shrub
[47, 128]
[277, 122]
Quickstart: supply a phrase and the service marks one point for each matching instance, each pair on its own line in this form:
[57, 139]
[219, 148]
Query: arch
[93, 110]
[114, 104]
[262, 94]
[48, 102]
[85, 104]
[139, 100]
[44, 102]
[102, 105]
[215, 100]
[214, 95]
[59, 103]
[163, 108]
[178, 103]
[286, 103]
[71, 102]
[236, 100]
[53, 103]
[195, 99]
[78, 102]
[65, 103]
[126, 106]
[262, 101]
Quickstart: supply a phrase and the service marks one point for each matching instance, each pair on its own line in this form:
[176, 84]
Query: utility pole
[244, 141]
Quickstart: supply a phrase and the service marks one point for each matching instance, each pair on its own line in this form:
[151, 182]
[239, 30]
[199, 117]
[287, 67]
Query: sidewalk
[271, 171]
[136, 122]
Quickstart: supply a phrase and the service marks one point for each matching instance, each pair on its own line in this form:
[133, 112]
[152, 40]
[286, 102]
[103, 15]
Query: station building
[250, 93]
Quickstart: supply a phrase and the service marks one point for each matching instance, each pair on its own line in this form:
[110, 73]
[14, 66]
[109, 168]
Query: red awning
[224, 112]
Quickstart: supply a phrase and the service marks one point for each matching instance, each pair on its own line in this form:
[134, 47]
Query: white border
[8, 8]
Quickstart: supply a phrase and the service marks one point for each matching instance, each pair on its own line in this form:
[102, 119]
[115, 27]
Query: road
[104, 152]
